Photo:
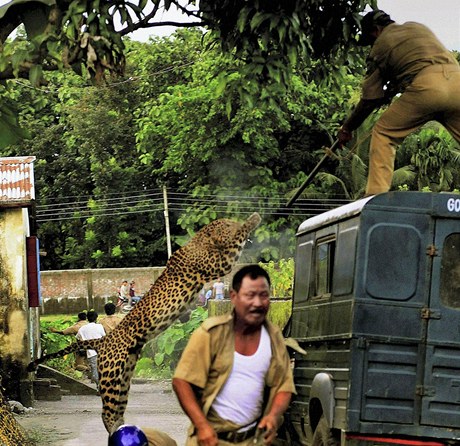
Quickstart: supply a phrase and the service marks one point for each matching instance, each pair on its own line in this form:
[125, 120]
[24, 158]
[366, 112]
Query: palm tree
[434, 157]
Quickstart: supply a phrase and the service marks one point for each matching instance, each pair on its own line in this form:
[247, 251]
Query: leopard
[210, 254]
[11, 432]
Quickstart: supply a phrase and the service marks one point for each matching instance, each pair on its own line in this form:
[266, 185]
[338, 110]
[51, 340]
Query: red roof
[17, 179]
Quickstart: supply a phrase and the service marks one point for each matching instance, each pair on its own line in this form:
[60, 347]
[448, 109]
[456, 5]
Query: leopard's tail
[75, 346]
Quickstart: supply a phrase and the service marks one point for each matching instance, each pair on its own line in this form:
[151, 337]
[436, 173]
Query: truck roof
[340, 213]
[438, 204]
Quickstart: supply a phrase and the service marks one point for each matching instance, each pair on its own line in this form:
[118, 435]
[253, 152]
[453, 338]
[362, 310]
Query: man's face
[252, 301]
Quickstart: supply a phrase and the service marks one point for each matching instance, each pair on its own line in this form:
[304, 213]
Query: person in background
[406, 61]
[124, 291]
[92, 330]
[110, 320]
[123, 294]
[234, 380]
[81, 363]
[208, 296]
[132, 292]
[133, 298]
[201, 301]
[219, 289]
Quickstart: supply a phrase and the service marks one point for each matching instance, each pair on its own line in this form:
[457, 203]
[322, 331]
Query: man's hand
[344, 135]
[206, 435]
[270, 423]
[268, 426]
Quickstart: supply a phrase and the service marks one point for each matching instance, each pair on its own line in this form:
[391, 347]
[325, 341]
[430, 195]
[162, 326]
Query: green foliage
[163, 352]
[280, 312]
[146, 368]
[281, 276]
[87, 171]
[255, 150]
[103, 154]
[433, 156]
[53, 342]
[270, 38]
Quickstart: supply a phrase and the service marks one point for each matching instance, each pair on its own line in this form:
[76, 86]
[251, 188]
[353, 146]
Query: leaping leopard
[211, 253]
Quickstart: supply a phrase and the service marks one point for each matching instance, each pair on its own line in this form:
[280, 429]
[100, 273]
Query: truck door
[440, 393]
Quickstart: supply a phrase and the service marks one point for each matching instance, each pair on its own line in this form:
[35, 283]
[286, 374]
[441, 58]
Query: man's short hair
[92, 316]
[377, 17]
[82, 316]
[253, 271]
[109, 308]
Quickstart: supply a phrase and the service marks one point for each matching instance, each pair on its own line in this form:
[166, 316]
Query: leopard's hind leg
[114, 389]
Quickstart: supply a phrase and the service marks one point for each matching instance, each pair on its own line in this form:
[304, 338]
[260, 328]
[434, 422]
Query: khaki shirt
[207, 361]
[73, 329]
[109, 322]
[399, 53]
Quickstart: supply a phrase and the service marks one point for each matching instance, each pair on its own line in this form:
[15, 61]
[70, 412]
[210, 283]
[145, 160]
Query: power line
[111, 85]
[142, 202]
[146, 202]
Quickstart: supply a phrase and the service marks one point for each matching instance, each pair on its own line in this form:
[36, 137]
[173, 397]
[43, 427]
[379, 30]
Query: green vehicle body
[376, 306]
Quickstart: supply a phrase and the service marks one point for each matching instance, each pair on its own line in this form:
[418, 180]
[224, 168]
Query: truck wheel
[324, 436]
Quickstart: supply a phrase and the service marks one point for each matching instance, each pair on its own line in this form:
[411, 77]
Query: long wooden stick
[312, 175]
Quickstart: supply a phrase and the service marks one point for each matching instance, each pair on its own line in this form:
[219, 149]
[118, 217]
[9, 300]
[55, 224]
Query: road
[76, 420]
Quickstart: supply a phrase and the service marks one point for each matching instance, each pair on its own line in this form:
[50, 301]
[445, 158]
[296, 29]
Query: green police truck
[376, 307]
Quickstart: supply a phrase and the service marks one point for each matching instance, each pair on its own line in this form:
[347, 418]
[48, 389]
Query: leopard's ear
[252, 222]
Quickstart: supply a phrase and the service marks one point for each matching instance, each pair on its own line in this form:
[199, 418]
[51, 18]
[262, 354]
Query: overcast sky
[441, 16]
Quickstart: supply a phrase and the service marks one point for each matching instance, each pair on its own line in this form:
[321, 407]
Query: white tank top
[241, 397]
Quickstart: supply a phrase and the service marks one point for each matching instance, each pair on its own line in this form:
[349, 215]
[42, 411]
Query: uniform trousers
[433, 95]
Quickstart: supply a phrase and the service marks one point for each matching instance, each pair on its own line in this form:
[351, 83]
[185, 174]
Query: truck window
[345, 260]
[392, 261]
[450, 271]
[302, 271]
[324, 267]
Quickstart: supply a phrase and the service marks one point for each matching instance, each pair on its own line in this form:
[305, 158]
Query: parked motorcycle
[123, 306]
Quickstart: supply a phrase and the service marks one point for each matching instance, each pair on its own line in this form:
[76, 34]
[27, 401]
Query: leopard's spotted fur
[210, 254]
[11, 433]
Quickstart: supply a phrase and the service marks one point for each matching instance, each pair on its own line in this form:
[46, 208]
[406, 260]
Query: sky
[441, 16]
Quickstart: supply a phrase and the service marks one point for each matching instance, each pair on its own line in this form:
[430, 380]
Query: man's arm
[66, 331]
[187, 398]
[364, 108]
[272, 421]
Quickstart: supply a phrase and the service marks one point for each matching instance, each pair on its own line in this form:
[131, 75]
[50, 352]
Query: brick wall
[71, 291]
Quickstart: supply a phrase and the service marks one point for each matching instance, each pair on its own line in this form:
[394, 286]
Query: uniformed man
[80, 355]
[110, 320]
[408, 59]
[234, 379]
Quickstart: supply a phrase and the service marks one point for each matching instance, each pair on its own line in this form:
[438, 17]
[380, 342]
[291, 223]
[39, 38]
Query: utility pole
[166, 214]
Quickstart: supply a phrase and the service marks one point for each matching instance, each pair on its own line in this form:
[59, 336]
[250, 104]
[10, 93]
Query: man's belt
[237, 437]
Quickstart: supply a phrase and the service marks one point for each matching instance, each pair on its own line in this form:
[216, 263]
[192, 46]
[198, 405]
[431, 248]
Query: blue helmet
[128, 435]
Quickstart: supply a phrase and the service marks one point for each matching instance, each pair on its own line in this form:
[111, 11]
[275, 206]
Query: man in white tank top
[234, 379]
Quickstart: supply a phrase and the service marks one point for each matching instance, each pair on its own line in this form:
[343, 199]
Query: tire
[125, 308]
[323, 435]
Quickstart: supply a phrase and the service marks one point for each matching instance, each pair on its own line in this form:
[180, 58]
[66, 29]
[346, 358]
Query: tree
[433, 156]
[266, 34]
[197, 143]
[270, 37]
[98, 205]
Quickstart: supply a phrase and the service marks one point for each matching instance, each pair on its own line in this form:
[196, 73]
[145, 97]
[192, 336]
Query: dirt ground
[76, 420]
